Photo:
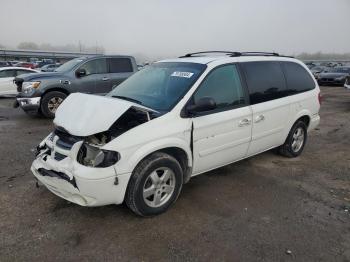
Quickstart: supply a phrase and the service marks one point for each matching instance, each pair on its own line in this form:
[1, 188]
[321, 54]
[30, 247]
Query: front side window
[70, 64]
[159, 86]
[298, 79]
[7, 73]
[96, 66]
[223, 84]
[120, 65]
[265, 81]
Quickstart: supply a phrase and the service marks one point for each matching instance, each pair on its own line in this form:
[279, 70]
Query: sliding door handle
[259, 118]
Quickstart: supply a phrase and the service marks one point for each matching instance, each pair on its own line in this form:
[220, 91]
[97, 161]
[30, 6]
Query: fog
[158, 28]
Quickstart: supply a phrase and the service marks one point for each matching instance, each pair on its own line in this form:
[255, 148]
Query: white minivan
[173, 120]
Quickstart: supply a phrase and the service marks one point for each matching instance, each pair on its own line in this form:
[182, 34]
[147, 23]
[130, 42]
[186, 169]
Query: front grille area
[59, 156]
[65, 140]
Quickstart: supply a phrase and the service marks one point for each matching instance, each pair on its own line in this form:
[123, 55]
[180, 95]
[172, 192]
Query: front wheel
[295, 141]
[154, 185]
[50, 102]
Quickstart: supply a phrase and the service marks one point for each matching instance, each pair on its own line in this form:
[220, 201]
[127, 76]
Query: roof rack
[234, 54]
[208, 52]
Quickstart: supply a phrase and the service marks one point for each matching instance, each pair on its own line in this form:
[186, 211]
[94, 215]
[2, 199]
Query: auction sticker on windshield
[182, 74]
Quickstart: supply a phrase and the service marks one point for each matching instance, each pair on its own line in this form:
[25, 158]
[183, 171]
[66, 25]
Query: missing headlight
[92, 156]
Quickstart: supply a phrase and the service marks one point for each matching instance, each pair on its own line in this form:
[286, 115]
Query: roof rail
[208, 52]
[235, 54]
[259, 53]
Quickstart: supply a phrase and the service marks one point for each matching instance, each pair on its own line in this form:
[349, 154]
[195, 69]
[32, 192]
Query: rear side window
[7, 73]
[223, 84]
[120, 65]
[265, 81]
[298, 79]
[21, 72]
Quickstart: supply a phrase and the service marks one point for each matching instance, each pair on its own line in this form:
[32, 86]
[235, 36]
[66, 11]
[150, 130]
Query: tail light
[320, 98]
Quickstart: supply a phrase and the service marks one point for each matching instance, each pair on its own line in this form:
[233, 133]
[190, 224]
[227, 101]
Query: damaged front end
[71, 161]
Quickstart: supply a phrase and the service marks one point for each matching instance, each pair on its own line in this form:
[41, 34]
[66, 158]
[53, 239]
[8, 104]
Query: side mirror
[202, 105]
[80, 72]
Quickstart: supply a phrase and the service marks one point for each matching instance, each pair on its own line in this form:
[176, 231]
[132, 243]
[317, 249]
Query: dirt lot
[254, 210]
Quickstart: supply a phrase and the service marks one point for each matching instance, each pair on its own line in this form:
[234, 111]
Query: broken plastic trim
[51, 173]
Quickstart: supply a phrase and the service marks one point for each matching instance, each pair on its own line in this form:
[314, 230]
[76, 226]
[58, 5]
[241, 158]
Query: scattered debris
[288, 252]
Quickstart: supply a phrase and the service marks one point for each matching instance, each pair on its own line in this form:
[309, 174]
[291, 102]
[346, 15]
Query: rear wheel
[154, 185]
[295, 141]
[50, 102]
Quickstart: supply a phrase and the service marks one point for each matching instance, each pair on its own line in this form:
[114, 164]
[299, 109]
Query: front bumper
[85, 186]
[29, 104]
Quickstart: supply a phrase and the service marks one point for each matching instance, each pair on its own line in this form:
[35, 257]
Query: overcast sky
[174, 27]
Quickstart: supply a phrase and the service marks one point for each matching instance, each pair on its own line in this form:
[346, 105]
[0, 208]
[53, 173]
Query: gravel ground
[265, 208]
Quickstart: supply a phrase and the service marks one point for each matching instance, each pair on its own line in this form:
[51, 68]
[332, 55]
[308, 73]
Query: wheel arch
[58, 89]
[177, 149]
[303, 115]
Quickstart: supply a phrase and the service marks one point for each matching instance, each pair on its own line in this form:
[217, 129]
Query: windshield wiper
[129, 99]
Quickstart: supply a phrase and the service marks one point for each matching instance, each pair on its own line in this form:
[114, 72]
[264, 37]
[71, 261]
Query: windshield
[69, 65]
[159, 86]
[340, 70]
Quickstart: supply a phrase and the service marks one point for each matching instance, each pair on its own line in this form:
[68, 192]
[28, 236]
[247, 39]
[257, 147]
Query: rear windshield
[159, 86]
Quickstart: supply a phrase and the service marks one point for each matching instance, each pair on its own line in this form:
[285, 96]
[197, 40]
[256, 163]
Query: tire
[148, 196]
[50, 103]
[295, 141]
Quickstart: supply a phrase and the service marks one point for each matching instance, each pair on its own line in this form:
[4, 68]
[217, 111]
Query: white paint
[84, 115]
[218, 139]
[7, 87]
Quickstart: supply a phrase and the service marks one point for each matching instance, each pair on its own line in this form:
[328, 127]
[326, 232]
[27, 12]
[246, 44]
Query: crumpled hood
[85, 115]
[333, 75]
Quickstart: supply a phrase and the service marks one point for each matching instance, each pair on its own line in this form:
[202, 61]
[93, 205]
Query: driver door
[96, 80]
[223, 135]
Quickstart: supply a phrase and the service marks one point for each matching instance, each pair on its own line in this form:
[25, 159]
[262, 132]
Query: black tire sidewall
[45, 100]
[290, 138]
[142, 207]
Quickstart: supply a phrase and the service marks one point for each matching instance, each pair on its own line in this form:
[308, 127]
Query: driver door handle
[105, 79]
[244, 122]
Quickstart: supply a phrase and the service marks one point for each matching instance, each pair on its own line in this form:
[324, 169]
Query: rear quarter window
[298, 79]
[265, 81]
[120, 65]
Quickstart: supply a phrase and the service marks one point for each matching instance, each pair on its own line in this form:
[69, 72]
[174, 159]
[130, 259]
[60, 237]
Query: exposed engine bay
[90, 153]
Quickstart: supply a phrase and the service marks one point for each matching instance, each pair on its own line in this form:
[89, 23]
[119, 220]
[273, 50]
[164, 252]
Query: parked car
[335, 76]
[12, 63]
[4, 64]
[347, 83]
[44, 92]
[7, 75]
[49, 67]
[44, 62]
[317, 70]
[173, 120]
[25, 64]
